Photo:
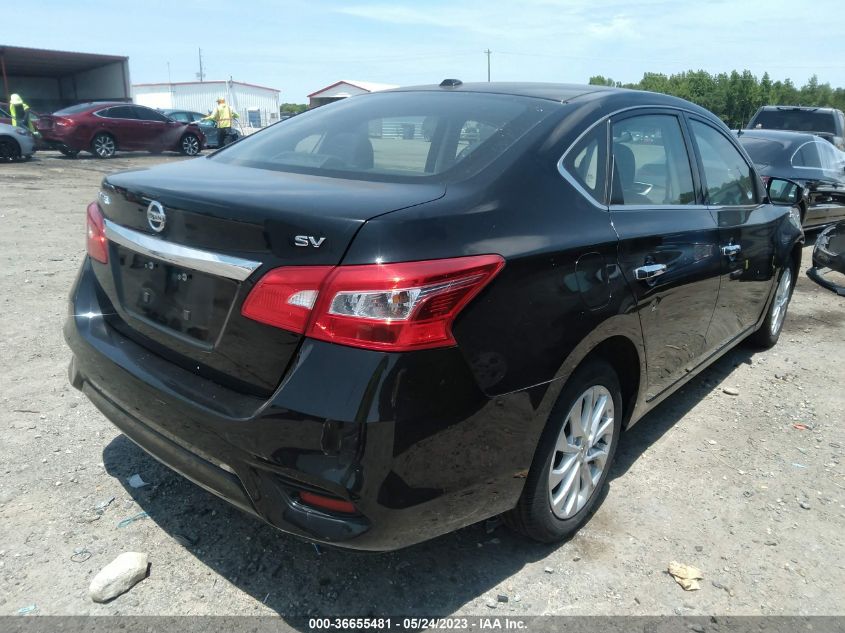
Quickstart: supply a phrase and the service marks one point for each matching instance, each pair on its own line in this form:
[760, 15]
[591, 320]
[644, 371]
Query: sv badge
[308, 240]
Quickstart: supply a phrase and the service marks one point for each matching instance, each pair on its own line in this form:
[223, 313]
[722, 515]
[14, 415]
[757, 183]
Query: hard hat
[15, 99]
[221, 100]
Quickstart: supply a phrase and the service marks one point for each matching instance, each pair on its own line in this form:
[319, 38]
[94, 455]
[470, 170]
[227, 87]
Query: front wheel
[769, 333]
[9, 149]
[189, 145]
[103, 145]
[573, 457]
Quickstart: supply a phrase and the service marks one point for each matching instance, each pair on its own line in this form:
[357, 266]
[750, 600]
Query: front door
[668, 242]
[747, 230]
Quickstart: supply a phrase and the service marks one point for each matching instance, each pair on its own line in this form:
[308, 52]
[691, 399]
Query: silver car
[16, 143]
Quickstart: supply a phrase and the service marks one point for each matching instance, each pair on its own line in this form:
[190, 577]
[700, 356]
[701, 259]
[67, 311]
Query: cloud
[619, 27]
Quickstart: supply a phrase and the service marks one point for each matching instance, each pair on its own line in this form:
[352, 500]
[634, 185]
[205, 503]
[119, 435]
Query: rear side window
[398, 136]
[650, 162]
[586, 162]
[729, 179]
[796, 120]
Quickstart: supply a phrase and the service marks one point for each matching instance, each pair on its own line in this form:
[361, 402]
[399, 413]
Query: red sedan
[105, 128]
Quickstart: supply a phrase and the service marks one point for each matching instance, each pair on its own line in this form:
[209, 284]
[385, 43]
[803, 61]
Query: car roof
[551, 91]
[565, 93]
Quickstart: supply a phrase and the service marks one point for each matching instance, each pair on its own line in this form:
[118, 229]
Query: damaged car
[828, 268]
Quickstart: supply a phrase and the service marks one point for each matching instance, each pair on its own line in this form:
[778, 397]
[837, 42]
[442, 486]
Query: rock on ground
[119, 576]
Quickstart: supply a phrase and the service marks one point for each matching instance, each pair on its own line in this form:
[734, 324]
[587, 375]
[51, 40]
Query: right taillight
[96, 242]
[392, 307]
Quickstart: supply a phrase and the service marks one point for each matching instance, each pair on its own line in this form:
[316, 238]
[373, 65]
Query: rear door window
[146, 114]
[729, 180]
[651, 165]
[807, 156]
[119, 112]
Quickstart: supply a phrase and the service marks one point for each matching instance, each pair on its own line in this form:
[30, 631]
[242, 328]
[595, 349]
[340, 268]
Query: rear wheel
[189, 145]
[769, 332]
[9, 149]
[103, 145]
[573, 457]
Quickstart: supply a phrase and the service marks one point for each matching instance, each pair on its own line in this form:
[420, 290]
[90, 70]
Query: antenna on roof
[450, 83]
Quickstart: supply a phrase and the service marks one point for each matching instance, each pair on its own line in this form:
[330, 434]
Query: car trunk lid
[189, 240]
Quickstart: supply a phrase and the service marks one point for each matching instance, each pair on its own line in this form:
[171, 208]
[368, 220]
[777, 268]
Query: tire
[769, 333]
[546, 512]
[70, 153]
[103, 145]
[189, 145]
[10, 149]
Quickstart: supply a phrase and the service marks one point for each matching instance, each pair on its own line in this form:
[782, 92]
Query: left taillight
[96, 242]
[392, 307]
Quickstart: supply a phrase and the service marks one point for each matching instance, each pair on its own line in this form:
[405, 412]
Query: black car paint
[824, 197]
[422, 442]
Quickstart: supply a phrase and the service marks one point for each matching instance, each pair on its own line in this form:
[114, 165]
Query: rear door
[667, 241]
[747, 230]
[122, 122]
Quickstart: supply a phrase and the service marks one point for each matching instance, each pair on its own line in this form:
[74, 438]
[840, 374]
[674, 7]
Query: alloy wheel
[781, 301]
[581, 452]
[104, 146]
[190, 145]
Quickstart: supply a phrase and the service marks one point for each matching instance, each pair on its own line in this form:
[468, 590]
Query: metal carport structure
[49, 80]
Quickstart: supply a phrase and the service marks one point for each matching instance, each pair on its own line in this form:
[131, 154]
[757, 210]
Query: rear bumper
[408, 438]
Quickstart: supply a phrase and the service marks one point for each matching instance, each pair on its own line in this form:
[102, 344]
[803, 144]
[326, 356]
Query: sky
[300, 47]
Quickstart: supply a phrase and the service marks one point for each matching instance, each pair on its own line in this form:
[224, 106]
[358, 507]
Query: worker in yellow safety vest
[20, 114]
[223, 115]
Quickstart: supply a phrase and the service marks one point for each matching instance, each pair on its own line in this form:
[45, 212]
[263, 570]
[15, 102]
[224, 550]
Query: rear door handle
[649, 271]
[731, 249]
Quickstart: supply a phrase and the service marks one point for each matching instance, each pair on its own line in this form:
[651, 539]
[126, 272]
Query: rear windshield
[761, 150]
[82, 107]
[393, 136]
[797, 120]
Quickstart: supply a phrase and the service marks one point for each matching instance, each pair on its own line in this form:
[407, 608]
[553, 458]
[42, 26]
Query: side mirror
[783, 191]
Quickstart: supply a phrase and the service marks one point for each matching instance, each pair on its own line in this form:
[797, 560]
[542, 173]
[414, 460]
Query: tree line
[735, 96]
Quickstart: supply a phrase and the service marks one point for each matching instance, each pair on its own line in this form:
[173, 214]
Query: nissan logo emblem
[156, 217]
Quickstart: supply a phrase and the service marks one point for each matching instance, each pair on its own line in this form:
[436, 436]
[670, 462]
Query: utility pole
[200, 74]
[488, 52]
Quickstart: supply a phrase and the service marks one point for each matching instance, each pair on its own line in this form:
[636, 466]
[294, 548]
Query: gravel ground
[723, 482]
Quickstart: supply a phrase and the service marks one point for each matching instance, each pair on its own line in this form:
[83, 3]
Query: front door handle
[649, 271]
[731, 249]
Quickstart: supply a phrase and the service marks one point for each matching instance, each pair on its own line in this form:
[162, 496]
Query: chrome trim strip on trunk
[204, 261]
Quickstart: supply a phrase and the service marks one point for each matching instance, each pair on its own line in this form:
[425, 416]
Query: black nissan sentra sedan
[406, 312]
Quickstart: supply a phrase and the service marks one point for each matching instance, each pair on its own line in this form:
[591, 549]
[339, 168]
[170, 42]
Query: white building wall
[202, 97]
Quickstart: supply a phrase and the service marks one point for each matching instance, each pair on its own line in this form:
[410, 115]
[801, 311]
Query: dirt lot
[726, 483]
